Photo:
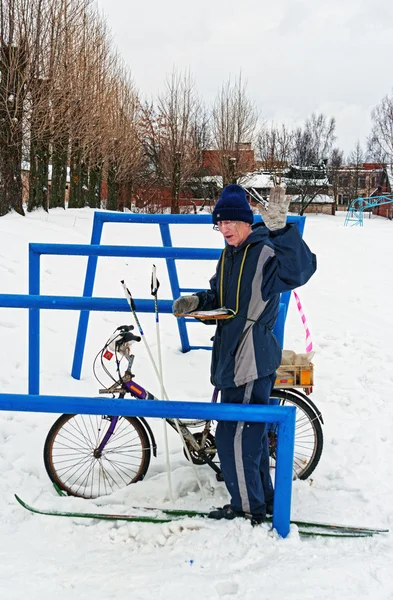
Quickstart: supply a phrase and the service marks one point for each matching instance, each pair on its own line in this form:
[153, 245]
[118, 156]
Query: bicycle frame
[127, 385]
[200, 448]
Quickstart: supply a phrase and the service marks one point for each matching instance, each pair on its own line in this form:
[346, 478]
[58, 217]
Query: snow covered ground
[348, 306]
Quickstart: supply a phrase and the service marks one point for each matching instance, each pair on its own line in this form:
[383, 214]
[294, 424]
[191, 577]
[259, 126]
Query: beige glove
[275, 215]
[185, 304]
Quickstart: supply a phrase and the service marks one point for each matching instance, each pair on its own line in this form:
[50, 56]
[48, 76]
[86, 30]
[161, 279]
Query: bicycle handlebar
[129, 337]
[125, 328]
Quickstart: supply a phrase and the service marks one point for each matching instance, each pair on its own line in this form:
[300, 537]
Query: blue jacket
[254, 276]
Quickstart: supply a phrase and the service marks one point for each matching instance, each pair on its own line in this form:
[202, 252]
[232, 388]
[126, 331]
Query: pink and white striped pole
[304, 321]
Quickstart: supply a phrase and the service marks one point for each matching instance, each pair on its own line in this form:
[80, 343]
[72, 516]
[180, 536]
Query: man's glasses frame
[229, 224]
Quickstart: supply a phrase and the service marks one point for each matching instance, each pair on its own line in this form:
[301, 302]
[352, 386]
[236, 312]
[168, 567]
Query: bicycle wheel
[308, 435]
[71, 459]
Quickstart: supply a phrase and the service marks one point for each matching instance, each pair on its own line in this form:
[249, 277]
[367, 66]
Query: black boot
[226, 512]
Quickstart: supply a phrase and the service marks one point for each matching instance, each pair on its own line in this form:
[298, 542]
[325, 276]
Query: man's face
[234, 232]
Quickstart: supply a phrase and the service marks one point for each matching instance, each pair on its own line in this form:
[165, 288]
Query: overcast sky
[297, 56]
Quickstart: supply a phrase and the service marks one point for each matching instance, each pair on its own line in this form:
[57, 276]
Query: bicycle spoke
[74, 462]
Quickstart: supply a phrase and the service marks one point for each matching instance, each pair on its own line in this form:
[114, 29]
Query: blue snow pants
[243, 451]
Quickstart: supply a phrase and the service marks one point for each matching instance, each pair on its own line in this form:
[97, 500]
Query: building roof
[318, 199]
[257, 180]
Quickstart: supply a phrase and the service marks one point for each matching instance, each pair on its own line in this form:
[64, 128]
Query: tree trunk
[84, 184]
[128, 195]
[75, 197]
[95, 181]
[11, 180]
[38, 182]
[113, 188]
[12, 95]
[59, 174]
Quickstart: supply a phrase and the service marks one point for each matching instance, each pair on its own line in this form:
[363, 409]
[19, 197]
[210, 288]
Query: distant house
[243, 155]
[306, 186]
[358, 181]
[364, 181]
[385, 187]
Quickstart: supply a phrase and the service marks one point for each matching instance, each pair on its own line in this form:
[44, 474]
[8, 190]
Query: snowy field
[348, 306]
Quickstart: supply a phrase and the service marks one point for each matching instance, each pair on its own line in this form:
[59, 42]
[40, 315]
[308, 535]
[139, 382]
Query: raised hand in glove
[275, 215]
[185, 304]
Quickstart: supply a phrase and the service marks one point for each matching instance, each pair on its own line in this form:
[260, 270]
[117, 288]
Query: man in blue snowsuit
[256, 266]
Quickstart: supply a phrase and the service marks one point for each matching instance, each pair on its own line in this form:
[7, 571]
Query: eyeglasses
[228, 224]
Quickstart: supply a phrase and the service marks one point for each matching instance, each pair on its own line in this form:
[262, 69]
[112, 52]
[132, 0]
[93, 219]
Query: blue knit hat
[232, 205]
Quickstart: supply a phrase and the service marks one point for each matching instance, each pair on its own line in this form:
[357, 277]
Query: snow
[258, 180]
[348, 308]
[318, 199]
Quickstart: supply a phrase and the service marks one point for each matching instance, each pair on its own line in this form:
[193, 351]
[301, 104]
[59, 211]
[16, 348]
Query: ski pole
[131, 302]
[154, 291]
[154, 288]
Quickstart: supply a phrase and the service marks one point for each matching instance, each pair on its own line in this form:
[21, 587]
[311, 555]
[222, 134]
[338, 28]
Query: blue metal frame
[357, 207]
[93, 251]
[164, 221]
[284, 416]
[34, 303]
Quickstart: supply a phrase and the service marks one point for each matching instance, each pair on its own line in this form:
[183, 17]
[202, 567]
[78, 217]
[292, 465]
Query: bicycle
[89, 455]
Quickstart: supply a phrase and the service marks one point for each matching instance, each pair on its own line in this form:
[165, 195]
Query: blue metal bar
[115, 217]
[200, 347]
[99, 219]
[80, 303]
[34, 324]
[283, 415]
[279, 326]
[283, 472]
[174, 282]
[87, 291]
[133, 251]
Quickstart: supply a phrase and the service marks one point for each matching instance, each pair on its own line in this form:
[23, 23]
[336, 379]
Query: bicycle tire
[308, 435]
[72, 466]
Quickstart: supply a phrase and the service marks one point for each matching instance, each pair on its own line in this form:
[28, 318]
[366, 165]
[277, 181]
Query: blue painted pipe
[145, 408]
[283, 415]
[80, 303]
[130, 251]
[115, 217]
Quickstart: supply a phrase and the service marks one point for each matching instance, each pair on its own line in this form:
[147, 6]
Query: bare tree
[355, 162]
[45, 87]
[335, 163]
[380, 142]
[171, 135]
[234, 120]
[65, 97]
[275, 148]
[122, 144]
[312, 147]
[14, 33]
[69, 32]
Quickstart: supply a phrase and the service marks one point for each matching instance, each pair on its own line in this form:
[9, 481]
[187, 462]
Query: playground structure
[355, 213]
[34, 302]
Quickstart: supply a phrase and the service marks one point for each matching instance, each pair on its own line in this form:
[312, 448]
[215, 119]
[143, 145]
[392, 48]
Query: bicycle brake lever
[130, 337]
[125, 328]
